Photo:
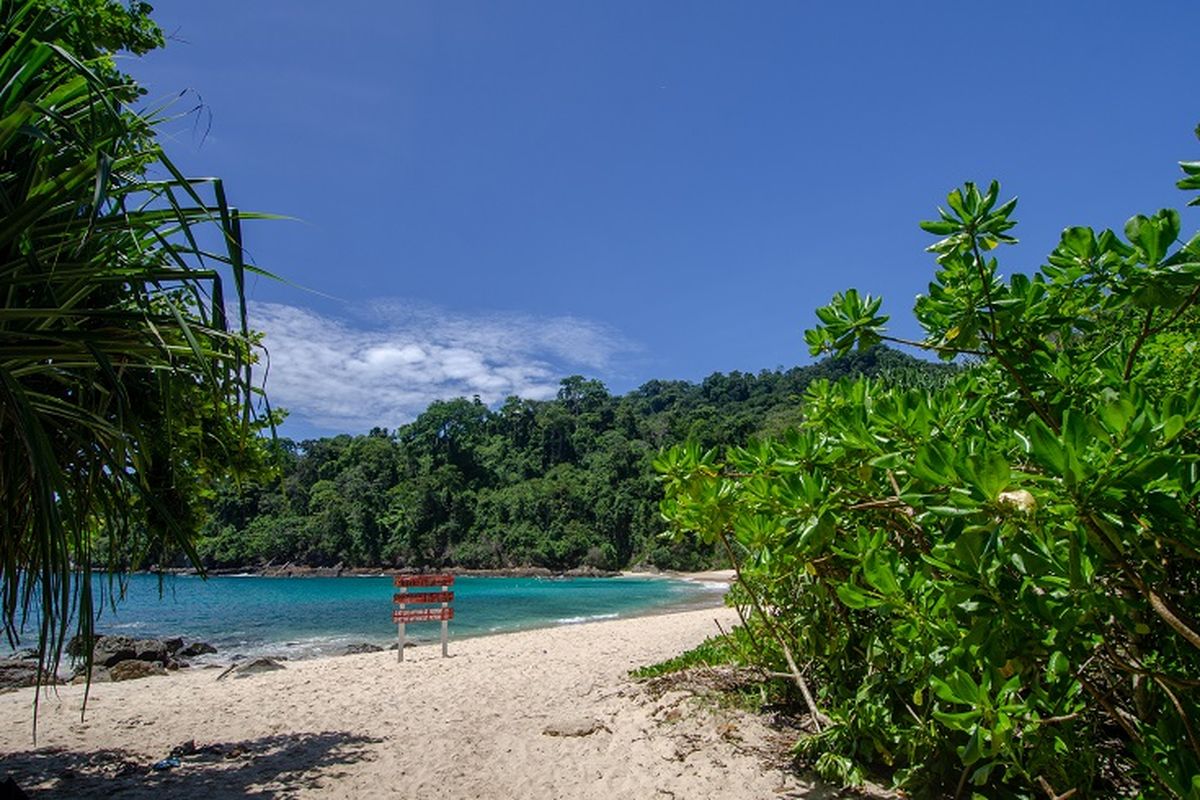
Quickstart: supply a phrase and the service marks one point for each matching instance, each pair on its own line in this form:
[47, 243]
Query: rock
[256, 666]
[134, 669]
[99, 675]
[196, 649]
[575, 727]
[28, 654]
[589, 572]
[18, 672]
[152, 650]
[361, 647]
[188, 748]
[395, 646]
[110, 650]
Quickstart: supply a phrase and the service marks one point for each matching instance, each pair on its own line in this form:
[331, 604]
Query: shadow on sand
[271, 766]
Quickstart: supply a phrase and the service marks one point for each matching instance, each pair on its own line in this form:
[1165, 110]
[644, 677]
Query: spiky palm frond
[123, 386]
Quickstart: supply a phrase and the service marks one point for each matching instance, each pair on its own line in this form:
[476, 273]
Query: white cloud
[384, 369]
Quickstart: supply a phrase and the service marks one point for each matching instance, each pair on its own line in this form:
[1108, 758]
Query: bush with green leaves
[989, 587]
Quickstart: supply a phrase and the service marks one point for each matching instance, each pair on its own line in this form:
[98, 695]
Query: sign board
[413, 598]
[413, 606]
[423, 615]
[423, 580]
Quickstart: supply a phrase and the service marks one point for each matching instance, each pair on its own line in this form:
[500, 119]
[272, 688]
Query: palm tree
[125, 390]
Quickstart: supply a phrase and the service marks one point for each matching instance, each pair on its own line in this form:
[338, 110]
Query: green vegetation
[125, 392]
[981, 580]
[989, 588]
[557, 484]
[712, 652]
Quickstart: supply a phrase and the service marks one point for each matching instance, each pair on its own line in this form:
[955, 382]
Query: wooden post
[400, 631]
[445, 623]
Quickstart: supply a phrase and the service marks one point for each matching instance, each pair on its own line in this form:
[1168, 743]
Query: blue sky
[491, 196]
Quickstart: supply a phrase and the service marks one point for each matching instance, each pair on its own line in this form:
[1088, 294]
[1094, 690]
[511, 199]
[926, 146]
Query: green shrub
[989, 583]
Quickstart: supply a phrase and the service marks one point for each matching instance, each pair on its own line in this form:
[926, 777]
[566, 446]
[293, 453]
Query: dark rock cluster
[122, 658]
[114, 658]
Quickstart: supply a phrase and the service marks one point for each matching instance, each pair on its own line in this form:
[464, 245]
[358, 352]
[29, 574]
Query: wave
[589, 618]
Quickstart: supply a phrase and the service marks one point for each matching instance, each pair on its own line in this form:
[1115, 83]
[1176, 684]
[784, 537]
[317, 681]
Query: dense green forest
[561, 483]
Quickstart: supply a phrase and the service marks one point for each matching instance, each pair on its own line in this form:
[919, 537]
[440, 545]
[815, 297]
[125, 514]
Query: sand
[538, 714]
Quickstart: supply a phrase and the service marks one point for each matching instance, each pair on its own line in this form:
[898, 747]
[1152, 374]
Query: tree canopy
[560, 483]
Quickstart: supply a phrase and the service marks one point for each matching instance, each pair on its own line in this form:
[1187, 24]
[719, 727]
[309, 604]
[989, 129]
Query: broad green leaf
[1117, 414]
[958, 720]
[1172, 426]
[878, 572]
[854, 597]
[1045, 446]
[991, 474]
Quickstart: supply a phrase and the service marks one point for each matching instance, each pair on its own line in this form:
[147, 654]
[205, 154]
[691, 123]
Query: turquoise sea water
[307, 617]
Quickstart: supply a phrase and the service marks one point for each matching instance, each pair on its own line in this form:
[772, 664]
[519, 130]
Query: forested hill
[559, 483]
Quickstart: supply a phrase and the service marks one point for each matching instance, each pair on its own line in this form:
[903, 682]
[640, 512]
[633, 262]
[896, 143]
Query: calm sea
[308, 617]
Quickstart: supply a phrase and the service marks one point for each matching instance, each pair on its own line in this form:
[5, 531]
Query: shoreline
[726, 576]
[291, 570]
[546, 713]
[305, 649]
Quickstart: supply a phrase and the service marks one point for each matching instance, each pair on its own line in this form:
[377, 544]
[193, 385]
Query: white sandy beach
[500, 718]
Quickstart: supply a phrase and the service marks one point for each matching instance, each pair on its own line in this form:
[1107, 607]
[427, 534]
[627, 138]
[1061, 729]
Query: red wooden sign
[423, 615]
[406, 614]
[423, 580]
[412, 598]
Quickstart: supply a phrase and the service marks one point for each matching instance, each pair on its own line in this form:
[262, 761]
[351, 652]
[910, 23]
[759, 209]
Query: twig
[1184, 306]
[746, 625]
[1187, 722]
[941, 348]
[1118, 716]
[819, 719]
[981, 268]
[1164, 608]
[962, 782]
[1146, 331]
[1143, 335]
[887, 502]
[1138, 669]
[1049, 790]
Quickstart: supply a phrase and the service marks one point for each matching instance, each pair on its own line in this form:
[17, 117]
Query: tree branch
[1143, 335]
[819, 719]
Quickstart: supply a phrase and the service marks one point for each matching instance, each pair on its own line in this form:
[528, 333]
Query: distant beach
[547, 713]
